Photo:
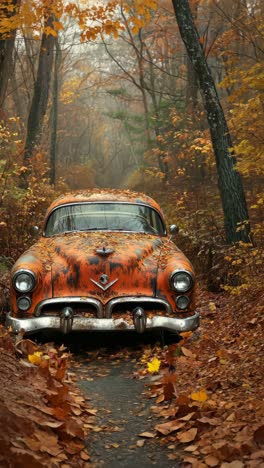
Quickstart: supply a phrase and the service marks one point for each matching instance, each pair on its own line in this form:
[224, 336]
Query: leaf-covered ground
[40, 409]
[217, 414]
[197, 403]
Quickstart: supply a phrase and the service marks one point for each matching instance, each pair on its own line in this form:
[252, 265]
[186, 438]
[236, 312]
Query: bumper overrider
[66, 321]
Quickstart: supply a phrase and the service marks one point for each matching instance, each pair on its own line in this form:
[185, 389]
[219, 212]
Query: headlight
[181, 281]
[182, 302]
[24, 281]
[24, 303]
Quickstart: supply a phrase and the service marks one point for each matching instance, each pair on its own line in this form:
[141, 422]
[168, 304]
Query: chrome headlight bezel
[31, 284]
[189, 282]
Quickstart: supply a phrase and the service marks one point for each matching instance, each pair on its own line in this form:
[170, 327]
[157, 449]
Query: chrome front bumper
[35, 324]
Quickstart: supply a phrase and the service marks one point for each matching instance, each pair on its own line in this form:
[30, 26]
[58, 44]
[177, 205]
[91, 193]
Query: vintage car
[104, 261]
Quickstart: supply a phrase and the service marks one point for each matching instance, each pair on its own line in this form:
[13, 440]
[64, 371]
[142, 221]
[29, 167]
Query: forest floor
[197, 403]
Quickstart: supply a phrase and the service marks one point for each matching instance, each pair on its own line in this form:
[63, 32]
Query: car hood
[104, 265]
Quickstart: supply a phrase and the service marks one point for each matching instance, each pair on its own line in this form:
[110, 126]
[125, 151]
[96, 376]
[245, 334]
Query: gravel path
[123, 413]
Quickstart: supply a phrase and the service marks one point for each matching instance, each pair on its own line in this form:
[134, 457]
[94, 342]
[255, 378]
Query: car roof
[101, 195]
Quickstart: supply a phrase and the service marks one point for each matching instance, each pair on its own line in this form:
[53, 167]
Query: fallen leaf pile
[42, 415]
[209, 392]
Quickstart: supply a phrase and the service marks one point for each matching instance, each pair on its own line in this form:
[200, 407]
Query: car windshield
[104, 217]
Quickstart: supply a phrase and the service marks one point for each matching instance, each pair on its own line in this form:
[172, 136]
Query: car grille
[85, 310]
[125, 311]
[115, 308]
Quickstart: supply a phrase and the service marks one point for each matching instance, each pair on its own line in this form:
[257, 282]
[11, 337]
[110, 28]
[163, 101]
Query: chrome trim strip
[69, 300]
[107, 202]
[35, 324]
[120, 300]
[104, 288]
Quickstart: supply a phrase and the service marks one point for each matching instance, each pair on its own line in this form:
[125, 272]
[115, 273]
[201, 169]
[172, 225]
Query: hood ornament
[104, 251]
[104, 282]
[104, 279]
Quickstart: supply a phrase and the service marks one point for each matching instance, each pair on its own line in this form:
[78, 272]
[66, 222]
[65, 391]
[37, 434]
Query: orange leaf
[201, 395]
[160, 398]
[211, 461]
[187, 436]
[168, 427]
[188, 353]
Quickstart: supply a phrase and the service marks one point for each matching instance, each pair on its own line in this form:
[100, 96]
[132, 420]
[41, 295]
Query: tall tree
[8, 10]
[41, 88]
[192, 84]
[54, 115]
[237, 226]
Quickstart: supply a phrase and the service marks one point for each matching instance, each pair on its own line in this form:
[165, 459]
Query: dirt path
[123, 413]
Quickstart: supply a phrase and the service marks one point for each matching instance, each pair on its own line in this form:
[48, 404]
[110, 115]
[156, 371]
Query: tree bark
[7, 41]
[54, 118]
[163, 165]
[236, 221]
[192, 88]
[41, 92]
[192, 82]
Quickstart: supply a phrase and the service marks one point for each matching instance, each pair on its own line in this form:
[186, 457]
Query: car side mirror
[174, 229]
[34, 230]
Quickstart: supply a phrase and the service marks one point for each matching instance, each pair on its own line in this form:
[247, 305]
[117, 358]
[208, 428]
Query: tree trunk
[7, 41]
[54, 119]
[163, 165]
[237, 226]
[192, 88]
[192, 82]
[41, 92]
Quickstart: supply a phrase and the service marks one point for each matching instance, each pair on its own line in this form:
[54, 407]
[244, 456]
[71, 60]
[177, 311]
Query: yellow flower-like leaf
[212, 306]
[199, 396]
[154, 365]
[35, 358]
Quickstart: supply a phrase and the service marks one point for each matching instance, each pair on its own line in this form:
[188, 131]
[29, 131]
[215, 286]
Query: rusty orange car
[104, 261]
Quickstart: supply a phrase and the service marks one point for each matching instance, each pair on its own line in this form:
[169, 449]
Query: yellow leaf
[35, 358]
[212, 306]
[199, 396]
[223, 361]
[154, 365]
